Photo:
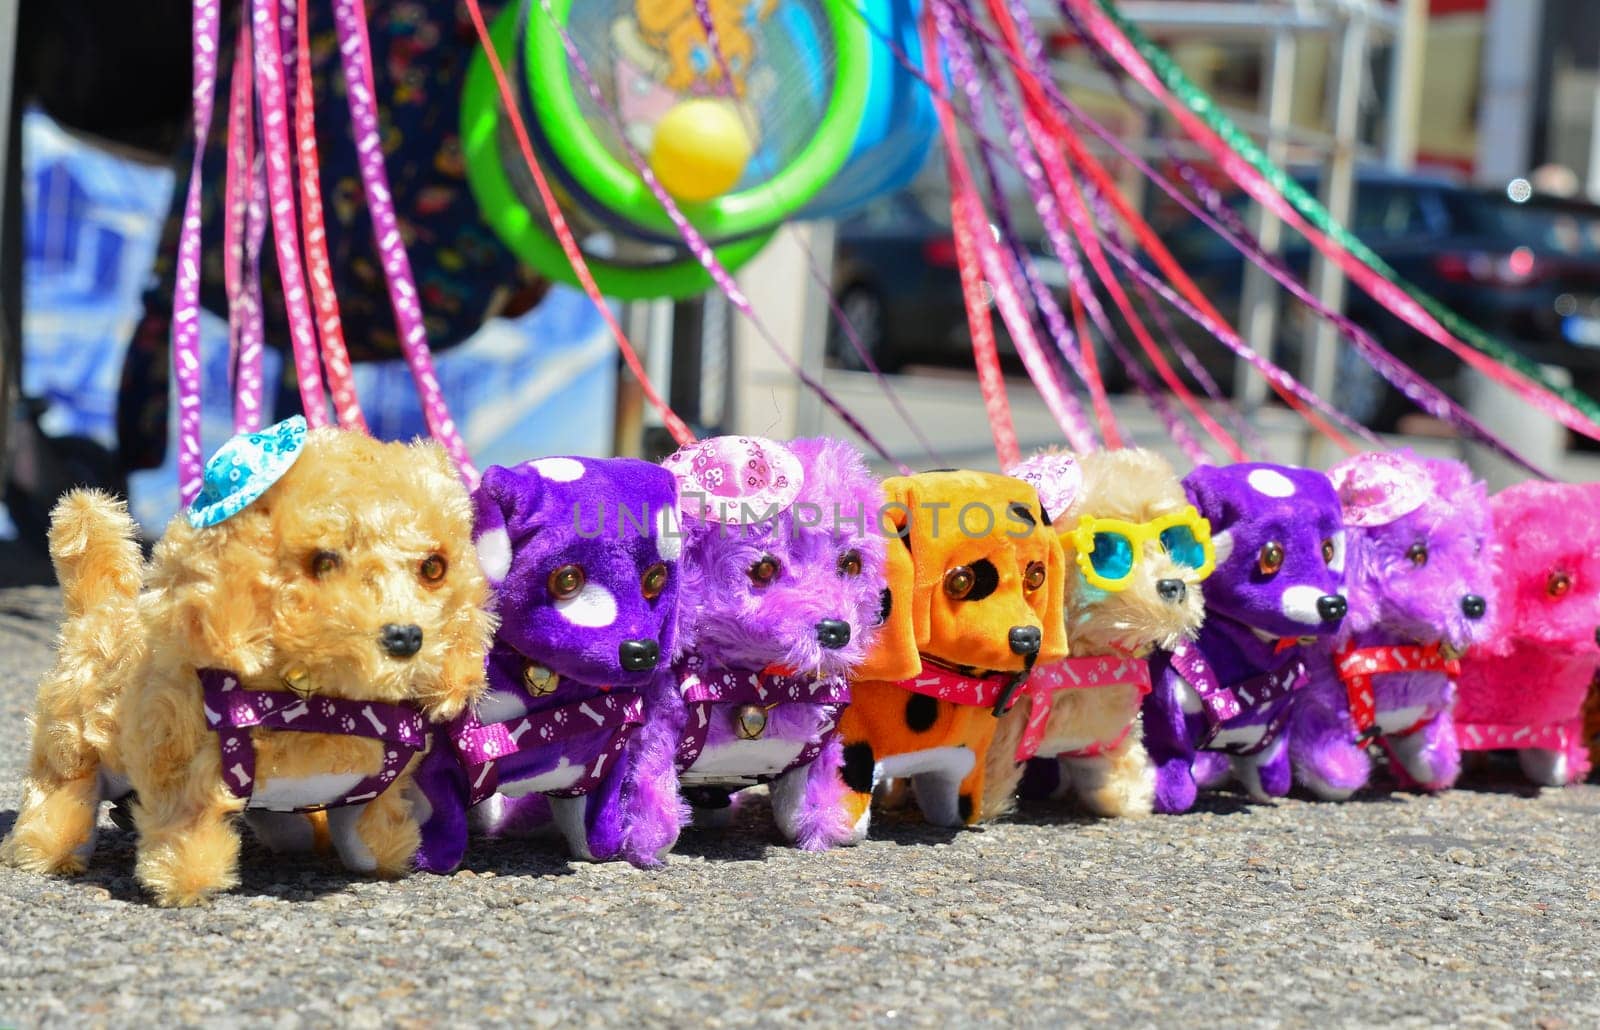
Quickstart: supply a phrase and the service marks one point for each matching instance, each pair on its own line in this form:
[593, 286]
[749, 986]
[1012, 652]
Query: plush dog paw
[1546, 767]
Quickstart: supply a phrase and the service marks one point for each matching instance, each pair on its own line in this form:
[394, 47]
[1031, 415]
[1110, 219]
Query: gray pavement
[1480, 907]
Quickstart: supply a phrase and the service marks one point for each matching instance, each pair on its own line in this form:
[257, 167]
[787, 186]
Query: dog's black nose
[639, 655]
[1172, 591]
[1332, 607]
[400, 641]
[833, 633]
[1473, 606]
[1025, 640]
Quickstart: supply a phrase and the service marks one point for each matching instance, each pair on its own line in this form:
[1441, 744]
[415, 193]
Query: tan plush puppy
[1136, 554]
[323, 580]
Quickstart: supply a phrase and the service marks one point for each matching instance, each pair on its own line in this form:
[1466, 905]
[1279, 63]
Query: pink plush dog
[1524, 688]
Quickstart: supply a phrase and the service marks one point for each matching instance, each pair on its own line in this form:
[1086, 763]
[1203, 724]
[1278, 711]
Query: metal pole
[1338, 196]
[1258, 303]
[1405, 86]
[10, 234]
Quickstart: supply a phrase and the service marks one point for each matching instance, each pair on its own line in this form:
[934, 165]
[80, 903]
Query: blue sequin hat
[244, 468]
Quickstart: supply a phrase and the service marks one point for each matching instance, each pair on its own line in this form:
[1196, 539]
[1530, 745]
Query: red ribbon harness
[1358, 665]
[1080, 673]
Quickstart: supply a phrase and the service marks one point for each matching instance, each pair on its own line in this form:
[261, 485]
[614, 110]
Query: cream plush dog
[1136, 554]
[280, 653]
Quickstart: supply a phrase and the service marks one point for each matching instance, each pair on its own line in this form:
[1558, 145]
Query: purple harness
[710, 693]
[481, 747]
[232, 713]
[1242, 700]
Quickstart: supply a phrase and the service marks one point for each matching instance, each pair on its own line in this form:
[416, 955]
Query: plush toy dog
[1279, 544]
[1137, 551]
[296, 628]
[1523, 688]
[782, 589]
[975, 594]
[583, 555]
[1416, 532]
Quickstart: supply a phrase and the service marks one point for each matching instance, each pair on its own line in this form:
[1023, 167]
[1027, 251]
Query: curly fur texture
[732, 622]
[1278, 533]
[1534, 669]
[122, 707]
[1421, 579]
[1135, 486]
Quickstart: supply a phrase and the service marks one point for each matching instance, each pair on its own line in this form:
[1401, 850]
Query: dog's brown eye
[433, 568]
[653, 581]
[850, 563]
[324, 562]
[764, 571]
[958, 582]
[1418, 554]
[1558, 585]
[1033, 579]
[566, 581]
[1327, 552]
[1270, 560]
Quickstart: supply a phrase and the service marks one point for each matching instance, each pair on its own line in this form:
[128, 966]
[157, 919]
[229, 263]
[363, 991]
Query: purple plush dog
[1280, 559]
[1415, 530]
[782, 586]
[583, 554]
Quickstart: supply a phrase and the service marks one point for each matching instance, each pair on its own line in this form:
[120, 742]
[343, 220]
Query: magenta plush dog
[782, 588]
[1524, 689]
[1417, 574]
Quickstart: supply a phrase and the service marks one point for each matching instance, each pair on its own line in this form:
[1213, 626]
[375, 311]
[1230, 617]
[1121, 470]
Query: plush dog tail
[95, 547]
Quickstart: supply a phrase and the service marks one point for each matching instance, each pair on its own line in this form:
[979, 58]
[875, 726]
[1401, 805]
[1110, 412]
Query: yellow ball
[700, 151]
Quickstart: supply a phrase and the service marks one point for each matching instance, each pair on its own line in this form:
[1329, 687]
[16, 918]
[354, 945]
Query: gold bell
[751, 722]
[539, 680]
[297, 679]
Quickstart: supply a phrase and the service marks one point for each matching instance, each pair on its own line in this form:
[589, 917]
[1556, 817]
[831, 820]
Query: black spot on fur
[1020, 511]
[859, 763]
[985, 580]
[1044, 515]
[964, 806]
[922, 712]
[885, 605]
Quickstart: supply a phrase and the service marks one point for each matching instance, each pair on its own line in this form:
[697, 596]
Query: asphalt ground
[1481, 906]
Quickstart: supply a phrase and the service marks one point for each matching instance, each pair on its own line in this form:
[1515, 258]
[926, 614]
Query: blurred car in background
[1527, 273]
[898, 284]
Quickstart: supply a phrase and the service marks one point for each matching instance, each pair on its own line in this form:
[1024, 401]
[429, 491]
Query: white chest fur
[743, 759]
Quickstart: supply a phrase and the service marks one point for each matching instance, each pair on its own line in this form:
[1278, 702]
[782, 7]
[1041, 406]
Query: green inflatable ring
[616, 183]
[523, 232]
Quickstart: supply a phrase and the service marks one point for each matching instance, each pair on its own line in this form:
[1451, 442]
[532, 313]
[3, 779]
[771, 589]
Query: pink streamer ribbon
[186, 368]
[356, 55]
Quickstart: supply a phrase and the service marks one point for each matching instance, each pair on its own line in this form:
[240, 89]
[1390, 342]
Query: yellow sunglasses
[1108, 550]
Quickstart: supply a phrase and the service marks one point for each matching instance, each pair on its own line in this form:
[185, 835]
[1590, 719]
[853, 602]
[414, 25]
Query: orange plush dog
[974, 601]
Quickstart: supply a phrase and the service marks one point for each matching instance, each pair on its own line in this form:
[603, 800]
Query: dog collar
[995, 691]
[1081, 673]
[1358, 665]
[232, 712]
[751, 696]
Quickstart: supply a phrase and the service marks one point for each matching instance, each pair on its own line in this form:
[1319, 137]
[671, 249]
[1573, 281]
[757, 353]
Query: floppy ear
[462, 679]
[221, 584]
[895, 653]
[505, 507]
[1054, 646]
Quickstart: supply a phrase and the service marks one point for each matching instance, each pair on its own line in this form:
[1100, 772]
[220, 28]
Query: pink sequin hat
[1376, 489]
[1057, 477]
[735, 480]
